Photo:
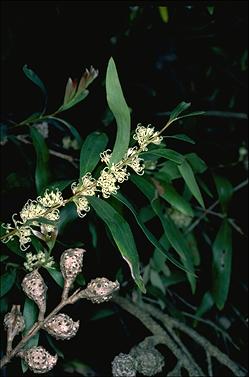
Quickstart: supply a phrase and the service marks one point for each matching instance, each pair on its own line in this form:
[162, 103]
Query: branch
[207, 211]
[35, 328]
[160, 333]
[213, 351]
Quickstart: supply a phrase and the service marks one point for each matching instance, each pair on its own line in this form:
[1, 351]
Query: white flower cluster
[86, 187]
[40, 259]
[47, 206]
[42, 207]
[146, 135]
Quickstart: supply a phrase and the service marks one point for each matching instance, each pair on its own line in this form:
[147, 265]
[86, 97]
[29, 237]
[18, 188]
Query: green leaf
[206, 304]
[144, 185]
[147, 233]
[122, 236]
[61, 185]
[156, 280]
[166, 153]
[193, 248]
[174, 278]
[178, 110]
[53, 346]
[71, 128]
[120, 110]
[197, 164]
[181, 137]
[57, 276]
[159, 259]
[225, 191]
[42, 175]
[176, 200]
[7, 280]
[204, 186]
[37, 81]
[102, 313]
[94, 144]
[168, 172]
[189, 178]
[30, 313]
[164, 13]
[177, 241]
[222, 263]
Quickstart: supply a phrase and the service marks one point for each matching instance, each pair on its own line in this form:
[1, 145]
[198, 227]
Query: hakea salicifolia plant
[58, 325]
[39, 216]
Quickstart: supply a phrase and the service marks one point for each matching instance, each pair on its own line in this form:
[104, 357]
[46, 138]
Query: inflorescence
[39, 216]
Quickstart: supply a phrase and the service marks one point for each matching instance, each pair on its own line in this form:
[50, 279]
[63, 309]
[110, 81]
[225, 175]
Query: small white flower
[106, 156]
[51, 199]
[24, 233]
[82, 205]
[87, 185]
[146, 135]
[120, 173]
[31, 210]
[107, 183]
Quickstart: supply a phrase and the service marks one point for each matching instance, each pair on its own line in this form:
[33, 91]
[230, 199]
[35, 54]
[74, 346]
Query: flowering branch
[39, 216]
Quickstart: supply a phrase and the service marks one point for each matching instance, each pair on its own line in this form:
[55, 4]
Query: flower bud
[149, 361]
[14, 322]
[35, 288]
[124, 366]
[100, 290]
[38, 359]
[61, 326]
[71, 265]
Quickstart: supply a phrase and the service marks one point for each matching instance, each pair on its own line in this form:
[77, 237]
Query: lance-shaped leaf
[30, 313]
[189, 178]
[225, 191]
[37, 81]
[122, 235]
[94, 144]
[166, 153]
[222, 263]
[177, 241]
[162, 250]
[42, 174]
[120, 110]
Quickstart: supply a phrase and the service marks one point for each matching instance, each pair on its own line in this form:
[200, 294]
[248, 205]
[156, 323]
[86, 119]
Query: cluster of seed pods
[60, 326]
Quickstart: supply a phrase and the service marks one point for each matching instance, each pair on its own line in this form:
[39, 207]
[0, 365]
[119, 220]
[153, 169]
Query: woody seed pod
[38, 359]
[71, 264]
[149, 361]
[14, 323]
[123, 366]
[35, 288]
[61, 326]
[100, 290]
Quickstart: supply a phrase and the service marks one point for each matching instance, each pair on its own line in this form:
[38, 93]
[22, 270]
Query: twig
[162, 336]
[197, 221]
[64, 156]
[216, 328]
[209, 363]
[208, 346]
[222, 216]
[35, 328]
[219, 114]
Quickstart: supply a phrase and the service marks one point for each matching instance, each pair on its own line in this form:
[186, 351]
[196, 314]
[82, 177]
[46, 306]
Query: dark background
[196, 57]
